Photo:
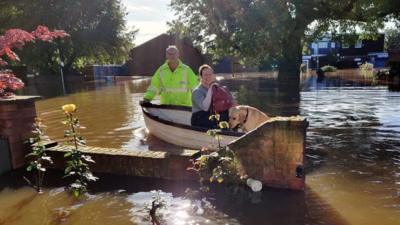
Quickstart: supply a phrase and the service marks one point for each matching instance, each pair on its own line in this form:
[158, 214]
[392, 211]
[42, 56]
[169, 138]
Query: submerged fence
[95, 72]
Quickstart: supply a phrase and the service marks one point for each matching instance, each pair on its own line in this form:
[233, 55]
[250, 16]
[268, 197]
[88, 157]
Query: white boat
[172, 124]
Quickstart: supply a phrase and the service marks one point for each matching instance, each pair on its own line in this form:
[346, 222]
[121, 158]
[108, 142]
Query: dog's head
[237, 116]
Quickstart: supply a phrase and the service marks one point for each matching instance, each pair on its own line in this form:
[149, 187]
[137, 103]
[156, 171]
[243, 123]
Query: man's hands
[144, 101]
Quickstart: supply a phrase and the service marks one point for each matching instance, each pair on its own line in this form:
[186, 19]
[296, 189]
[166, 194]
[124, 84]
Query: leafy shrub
[329, 68]
[38, 155]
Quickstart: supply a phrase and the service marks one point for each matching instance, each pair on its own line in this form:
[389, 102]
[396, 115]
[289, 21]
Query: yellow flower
[69, 108]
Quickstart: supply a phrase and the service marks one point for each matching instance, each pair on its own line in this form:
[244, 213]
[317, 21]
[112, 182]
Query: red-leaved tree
[16, 39]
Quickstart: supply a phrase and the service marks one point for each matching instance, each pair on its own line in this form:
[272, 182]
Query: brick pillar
[274, 152]
[16, 118]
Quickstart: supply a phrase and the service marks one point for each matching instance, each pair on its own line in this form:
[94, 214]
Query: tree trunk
[289, 66]
[289, 72]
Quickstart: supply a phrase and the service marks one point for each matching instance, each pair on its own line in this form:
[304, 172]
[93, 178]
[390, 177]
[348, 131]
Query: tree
[392, 39]
[16, 39]
[97, 28]
[261, 30]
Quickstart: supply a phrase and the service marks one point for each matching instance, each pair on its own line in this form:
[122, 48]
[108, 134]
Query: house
[230, 64]
[95, 72]
[147, 57]
[342, 53]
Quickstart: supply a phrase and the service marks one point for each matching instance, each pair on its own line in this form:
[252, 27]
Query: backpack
[222, 100]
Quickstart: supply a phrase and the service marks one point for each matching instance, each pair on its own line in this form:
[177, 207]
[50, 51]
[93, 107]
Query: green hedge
[328, 68]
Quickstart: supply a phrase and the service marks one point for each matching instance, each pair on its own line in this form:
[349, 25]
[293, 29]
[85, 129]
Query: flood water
[352, 157]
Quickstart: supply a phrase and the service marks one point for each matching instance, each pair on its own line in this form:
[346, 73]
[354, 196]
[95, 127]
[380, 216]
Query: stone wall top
[117, 151]
[19, 98]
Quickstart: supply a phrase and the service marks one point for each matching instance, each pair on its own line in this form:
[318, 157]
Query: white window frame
[322, 44]
[313, 45]
[358, 44]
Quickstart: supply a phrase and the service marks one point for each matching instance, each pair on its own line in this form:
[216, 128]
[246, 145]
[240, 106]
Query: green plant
[367, 69]
[215, 132]
[218, 166]
[303, 68]
[38, 155]
[157, 203]
[78, 163]
[366, 66]
[328, 68]
[382, 74]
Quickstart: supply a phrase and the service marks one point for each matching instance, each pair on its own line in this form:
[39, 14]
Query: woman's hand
[214, 83]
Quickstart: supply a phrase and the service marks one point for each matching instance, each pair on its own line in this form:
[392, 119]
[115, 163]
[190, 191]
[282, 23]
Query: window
[345, 45]
[322, 44]
[313, 45]
[333, 44]
[358, 44]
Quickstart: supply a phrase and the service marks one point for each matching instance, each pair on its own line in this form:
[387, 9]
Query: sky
[149, 16]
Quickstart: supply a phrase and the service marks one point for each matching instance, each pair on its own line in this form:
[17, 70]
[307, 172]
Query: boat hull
[170, 124]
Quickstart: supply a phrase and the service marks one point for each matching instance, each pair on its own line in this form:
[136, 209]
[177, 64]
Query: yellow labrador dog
[246, 117]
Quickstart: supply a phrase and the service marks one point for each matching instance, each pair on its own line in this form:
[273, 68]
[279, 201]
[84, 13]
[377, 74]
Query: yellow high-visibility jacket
[174, 88]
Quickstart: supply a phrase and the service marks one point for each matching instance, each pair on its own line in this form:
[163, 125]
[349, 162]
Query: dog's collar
[239, 125]
[247, 114]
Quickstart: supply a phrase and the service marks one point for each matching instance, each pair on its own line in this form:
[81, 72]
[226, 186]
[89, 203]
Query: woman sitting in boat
[209, 98]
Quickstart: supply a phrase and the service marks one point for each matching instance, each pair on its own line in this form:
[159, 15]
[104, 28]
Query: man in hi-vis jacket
[173, 81]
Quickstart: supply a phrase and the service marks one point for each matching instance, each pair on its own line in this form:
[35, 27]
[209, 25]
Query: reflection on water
[176, 210]
[25, 206]
[352, 156]
[111, 113]
[127, 200]
[354, 151]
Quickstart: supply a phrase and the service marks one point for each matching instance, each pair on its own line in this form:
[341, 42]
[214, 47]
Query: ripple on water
[176, 210]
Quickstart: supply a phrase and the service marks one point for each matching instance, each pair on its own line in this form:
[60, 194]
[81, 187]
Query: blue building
[342, 54]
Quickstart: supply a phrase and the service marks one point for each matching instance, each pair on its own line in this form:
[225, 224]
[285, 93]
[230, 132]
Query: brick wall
[155, 164]
[274, 152]
[17, 115]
